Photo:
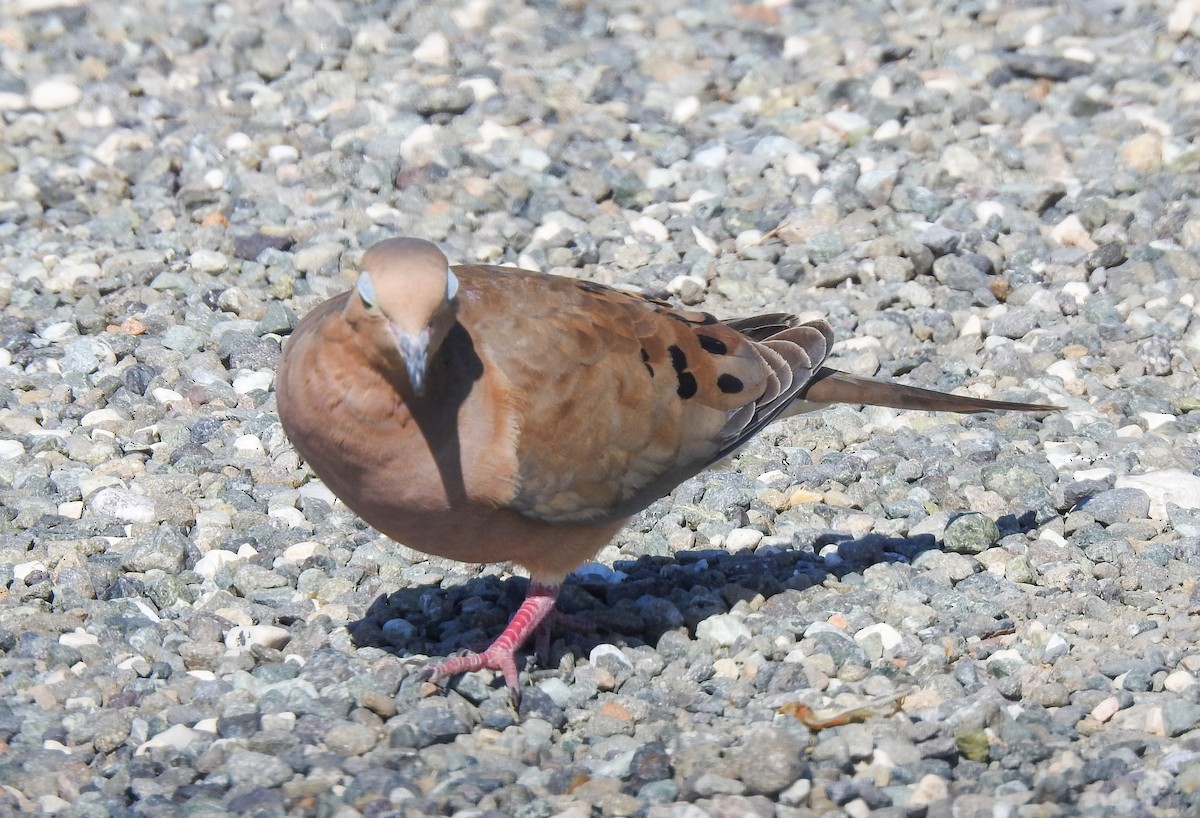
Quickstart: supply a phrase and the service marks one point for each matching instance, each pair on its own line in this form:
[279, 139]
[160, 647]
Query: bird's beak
[415, 350]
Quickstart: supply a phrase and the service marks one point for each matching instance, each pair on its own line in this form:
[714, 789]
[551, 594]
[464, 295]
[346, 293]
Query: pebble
[55, 94]
[270, 636]
[124, 505]
[724, 629]
[1117, 505]
[208, 261]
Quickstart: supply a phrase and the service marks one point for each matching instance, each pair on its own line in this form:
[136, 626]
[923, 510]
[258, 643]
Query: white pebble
[318, 490]
[249, 381]
[534, 159]
[1070, 232]
[1064, 369]
[66, 275]
[303, 550]
[215, 179]
[1106, 709]
[1181, 18]
[972, 327]
[123, 504]
[423, 135]
[985, 211]
[929, 790]
[803, 165]
[1077, 290]
[137, 664]
[1056, 648]
[78, 638]
[72, 509]
[747, 239]
[650, 227]
[685, 109]
[237, 141]
[59, 330]
[726, 668]
[742, 539]
[433, 50]
[248, 444]
[54, 94]
[177, 737]
[212, 562]
[23, 569]
[10, 449]
[849, 124]
[704, 242]
[889, 636]
[294, 517]
[1179, 681]
[1156, 419]
[267, 636]
[724, 629]
[483, 88]
[610, 652]
[661, 177]
[713, 156]
[282, 154]
[208, 261]
[1006, 655]
[165, 396]
[98, 416]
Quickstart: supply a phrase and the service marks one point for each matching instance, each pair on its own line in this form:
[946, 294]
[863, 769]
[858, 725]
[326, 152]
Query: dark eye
[366, 291]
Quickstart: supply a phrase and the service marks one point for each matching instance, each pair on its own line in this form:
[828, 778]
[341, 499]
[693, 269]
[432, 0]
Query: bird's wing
[618, 398]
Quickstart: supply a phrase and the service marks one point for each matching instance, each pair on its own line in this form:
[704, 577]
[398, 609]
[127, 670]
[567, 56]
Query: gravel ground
[865, 613]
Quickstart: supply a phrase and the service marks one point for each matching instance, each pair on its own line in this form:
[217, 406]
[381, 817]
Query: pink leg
[501, 654]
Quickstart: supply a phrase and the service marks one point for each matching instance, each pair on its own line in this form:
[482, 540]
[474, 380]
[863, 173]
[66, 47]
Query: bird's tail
[831, 386]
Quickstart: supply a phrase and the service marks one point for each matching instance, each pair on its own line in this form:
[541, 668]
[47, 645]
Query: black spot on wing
[712, 344]
[646, 362]
[730, 384]
[687, 385]
[679, 361]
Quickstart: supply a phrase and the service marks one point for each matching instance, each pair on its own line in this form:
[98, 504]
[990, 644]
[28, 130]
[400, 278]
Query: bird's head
[404, 299]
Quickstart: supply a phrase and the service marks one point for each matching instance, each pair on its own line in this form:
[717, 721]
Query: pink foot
[534, 614]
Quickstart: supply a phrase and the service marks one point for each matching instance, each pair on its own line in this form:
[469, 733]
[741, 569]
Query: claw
[501, 654]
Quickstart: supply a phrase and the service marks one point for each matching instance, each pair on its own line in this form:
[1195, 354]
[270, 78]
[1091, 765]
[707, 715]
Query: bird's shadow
[643, 599]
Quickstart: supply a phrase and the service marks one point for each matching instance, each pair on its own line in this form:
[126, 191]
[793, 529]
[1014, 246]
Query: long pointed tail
[831, 386]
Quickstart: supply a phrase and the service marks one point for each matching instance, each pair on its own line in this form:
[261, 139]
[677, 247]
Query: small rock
[724, 629]
[1143, 153]
[177, 737]
[317, 257]
[1179, 716]
[124, 505]
[769, 759]
[208, 261]
[347, 738]
[54, 94]
[1179, 681]
[270, 636]
[212, 562]
[971, 533]
[1117, 505]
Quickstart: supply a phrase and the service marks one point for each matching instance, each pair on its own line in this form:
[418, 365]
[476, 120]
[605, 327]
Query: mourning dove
[490, 414]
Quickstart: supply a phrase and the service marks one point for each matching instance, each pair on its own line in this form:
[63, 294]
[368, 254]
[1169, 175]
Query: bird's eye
[451, 285]
[366, 291]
